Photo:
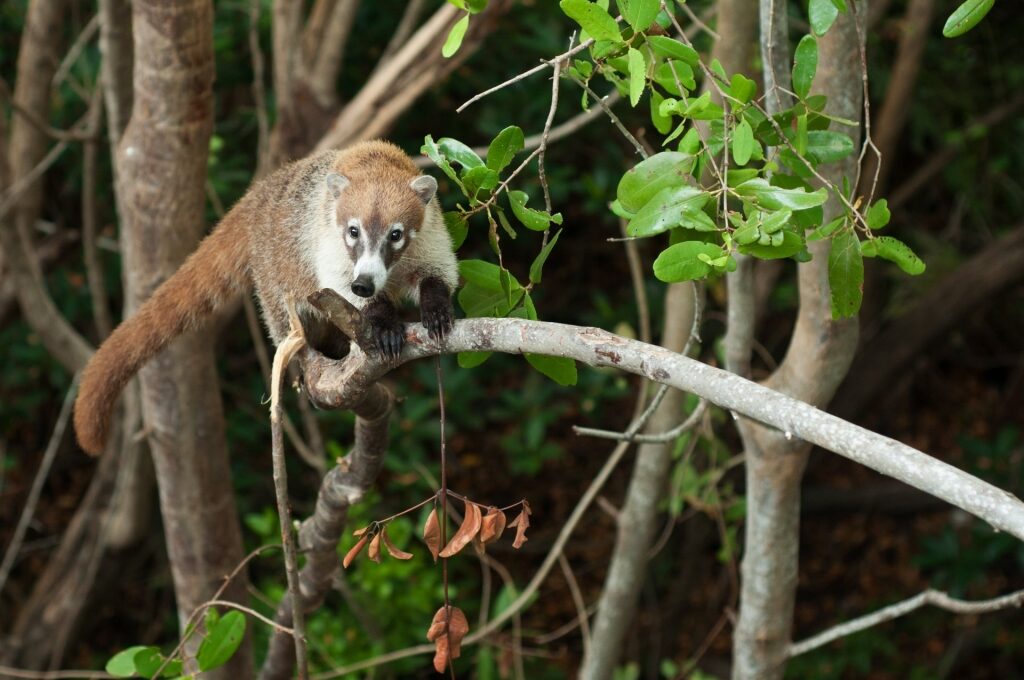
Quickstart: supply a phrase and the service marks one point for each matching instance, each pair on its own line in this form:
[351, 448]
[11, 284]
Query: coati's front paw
[438, 320]
[436, 307]
[388, 330]
[390, 338]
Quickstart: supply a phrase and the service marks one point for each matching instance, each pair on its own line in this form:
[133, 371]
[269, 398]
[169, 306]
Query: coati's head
[379, 215]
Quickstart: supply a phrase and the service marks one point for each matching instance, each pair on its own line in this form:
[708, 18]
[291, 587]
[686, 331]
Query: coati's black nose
[363, 286]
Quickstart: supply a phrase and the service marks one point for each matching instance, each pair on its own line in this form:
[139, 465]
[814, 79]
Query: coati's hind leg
[436, 307]
[388, 330]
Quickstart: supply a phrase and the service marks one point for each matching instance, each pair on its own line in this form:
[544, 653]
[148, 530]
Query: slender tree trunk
[161, 180]
[638, 518]
[818, 358]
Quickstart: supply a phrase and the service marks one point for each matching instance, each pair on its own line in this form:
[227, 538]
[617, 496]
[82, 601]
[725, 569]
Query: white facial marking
[396, 243]
[351, 238]
[372, 265]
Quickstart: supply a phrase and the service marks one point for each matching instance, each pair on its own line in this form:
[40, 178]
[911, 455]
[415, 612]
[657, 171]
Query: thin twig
[93, 263]
[577, 599]
[929, 597]
[660, 438]
[259, 91]
[526, 74]
[285, 351]
[444, 514]
[696, 20]
[81, 40]
[37, 484]
[9, 199]
[75, 134]
[615, 119]
[555, 78]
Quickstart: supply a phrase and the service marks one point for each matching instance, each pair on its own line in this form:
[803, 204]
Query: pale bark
[38, 59]
[637, 520]
[116, 66]
[816, 361]
[161, 181]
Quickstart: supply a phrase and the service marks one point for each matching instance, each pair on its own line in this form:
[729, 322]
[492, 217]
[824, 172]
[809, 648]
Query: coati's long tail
[208, 279]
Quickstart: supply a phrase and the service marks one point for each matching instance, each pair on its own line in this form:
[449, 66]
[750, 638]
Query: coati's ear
[425, 187]
[336, 183]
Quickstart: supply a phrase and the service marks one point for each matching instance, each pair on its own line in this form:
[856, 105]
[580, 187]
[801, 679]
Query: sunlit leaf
[455, 36]
[805, 64]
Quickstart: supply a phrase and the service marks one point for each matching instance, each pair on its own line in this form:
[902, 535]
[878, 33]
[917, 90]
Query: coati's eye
[353, 232]
[396, 235]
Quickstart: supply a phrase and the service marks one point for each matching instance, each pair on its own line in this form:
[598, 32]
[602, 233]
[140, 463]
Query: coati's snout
[363, 286]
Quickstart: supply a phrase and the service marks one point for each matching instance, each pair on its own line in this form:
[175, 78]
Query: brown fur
[264, 240]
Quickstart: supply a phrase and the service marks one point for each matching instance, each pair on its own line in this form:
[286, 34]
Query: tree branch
[931, 597]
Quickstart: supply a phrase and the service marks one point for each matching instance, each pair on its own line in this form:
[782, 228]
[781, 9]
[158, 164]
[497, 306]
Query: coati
[362, 221]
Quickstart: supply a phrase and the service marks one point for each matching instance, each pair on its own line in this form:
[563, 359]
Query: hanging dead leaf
[446, 632]
[432, 533]
[360, 532]
[354, 551]
[374, 552]
[392, 550]
[492, 526]
[521, 524]
[469, 528]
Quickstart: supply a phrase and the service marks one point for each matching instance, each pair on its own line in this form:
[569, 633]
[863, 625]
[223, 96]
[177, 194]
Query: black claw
[389, 341]
[438, 322]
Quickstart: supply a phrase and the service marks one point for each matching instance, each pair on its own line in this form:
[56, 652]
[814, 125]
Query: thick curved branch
[339, 384]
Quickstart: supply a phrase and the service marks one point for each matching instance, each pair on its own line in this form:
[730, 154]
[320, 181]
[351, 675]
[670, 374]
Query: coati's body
[328, 221]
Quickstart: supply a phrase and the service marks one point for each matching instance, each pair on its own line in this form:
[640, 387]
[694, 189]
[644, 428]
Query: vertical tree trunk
[637, 520]
[161, 177]
[818, 358]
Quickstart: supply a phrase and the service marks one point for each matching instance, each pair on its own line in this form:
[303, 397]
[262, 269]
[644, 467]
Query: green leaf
[742, 142]
[845, 274]
[640, 184]
[681, 262]
[455, 36]
[877, 216]
[827, 230]
[459, 152]
[667, 209]
[538, 264]
[639, 13]
[472, 359]
[662, 123]
[966, 17]
[776, 198]
[735, 176]
[503, 148]
[790, 245]
[148, 660]
[805, 64]
[221, 642]
[122, 664]
[800, 139]
[742, 88]
[484, 294]
[476, 6]
[673, 74]
[894, 250]
[822, 14]
[480, 177]
[458, 228]
[592, 19]
[671, 48]
[637, 76]
[827, 146]
[538, 220]
[432, 151]
[560, 369]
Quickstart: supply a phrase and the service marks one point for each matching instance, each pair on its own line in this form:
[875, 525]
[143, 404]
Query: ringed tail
[209, 278]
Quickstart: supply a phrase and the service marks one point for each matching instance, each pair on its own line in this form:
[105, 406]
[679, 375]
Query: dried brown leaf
[521, 524]
[469, 528]
[392, 550]
[354, 551]
[374, 552]
[492, 526]
[432, 533]
[360, 532]
[447, 646]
